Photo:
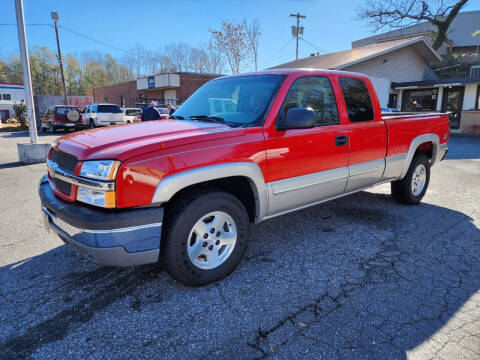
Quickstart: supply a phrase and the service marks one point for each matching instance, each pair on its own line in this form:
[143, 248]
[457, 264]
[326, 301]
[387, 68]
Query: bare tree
[232, 40]
[400, 13]
[179, 53]
[214, 59]
[253, 31]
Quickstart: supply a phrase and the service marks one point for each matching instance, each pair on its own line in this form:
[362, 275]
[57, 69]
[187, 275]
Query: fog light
[101, 198]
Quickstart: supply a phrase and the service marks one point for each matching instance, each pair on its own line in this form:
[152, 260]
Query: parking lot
[358, 277]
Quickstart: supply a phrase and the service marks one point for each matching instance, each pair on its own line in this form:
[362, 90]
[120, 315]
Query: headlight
[101, 198]
[100, 170]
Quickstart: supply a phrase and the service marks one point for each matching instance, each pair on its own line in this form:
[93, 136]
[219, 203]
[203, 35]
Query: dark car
[63, 117]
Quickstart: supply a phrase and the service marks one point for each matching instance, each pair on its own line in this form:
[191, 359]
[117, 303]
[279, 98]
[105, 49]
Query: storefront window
[420, 100]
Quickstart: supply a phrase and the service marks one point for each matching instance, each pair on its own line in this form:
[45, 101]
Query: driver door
[305, 166]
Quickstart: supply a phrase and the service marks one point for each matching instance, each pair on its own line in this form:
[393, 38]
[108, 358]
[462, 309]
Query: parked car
[96, 115]
[62, 117]
[132, 115]
[292, 139]
[164, 113]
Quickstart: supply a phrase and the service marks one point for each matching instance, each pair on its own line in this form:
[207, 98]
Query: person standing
[170, 109]
[150, 113]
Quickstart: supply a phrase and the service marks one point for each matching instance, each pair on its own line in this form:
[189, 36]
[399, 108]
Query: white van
[95, 115]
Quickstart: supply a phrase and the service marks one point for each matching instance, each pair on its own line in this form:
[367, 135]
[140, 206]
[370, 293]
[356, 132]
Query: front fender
[172, 184]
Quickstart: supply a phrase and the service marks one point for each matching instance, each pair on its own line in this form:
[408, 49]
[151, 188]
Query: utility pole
[55, 18]
[297, 30]
[27, 77]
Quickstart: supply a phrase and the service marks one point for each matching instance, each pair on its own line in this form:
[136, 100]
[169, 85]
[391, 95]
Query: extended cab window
[357, 99]
[313, 92]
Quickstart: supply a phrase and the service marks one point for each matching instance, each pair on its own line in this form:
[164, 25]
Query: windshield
[238, 101]
[109, 109]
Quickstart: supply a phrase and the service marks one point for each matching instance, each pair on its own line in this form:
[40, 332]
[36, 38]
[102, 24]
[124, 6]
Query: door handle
[341, 140]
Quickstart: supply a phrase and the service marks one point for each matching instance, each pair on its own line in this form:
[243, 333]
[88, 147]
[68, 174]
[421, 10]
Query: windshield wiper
[207, 118]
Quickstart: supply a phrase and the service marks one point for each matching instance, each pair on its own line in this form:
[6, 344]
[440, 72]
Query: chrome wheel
[419, 178]
[212, 240]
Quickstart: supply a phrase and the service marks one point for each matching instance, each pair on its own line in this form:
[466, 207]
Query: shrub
[20, 111]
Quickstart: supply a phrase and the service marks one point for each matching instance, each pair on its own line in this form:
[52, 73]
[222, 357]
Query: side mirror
[298, 118]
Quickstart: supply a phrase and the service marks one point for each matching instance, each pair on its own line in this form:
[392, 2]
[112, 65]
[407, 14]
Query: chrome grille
[63, 160]
[63, 186]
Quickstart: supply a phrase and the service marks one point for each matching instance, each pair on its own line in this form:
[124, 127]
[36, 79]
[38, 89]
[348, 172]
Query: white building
[10, 94]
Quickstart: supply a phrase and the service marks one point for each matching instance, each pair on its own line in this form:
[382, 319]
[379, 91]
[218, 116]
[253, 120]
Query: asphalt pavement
[358, 277]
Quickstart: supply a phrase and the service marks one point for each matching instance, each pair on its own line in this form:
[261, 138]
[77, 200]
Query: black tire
[402, 189]
[51, 128]
[92, 124]
[181, 218]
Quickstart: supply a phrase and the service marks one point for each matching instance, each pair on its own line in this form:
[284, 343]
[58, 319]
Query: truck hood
[122, 142]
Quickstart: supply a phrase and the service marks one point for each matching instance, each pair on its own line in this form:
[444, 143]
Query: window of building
[357, 99]
[313, 92]
[6, 97]
[420, 100]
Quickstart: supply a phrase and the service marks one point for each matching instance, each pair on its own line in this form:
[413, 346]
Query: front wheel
[411, 189]
[206, 237]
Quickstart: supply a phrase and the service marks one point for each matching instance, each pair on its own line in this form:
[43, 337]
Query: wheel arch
[223, 176]
[427, 143]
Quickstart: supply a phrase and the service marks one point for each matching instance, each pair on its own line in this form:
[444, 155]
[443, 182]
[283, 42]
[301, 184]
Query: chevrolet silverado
[242, 149]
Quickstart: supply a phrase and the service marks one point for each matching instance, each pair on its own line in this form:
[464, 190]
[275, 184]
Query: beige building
[403, 80]
[385, 63]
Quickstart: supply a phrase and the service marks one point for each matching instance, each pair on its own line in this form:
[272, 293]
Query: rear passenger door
[306, 165]
[367, 133]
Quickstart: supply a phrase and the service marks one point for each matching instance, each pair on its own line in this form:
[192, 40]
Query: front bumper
[109, 237]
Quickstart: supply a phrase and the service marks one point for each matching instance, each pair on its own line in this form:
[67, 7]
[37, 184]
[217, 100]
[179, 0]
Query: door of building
[4, 115]
[452, 102]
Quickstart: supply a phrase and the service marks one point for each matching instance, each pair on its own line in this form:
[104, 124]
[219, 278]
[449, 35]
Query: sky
[330, 25]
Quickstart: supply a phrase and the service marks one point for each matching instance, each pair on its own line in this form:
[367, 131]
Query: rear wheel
[411, 189]
[205, 238]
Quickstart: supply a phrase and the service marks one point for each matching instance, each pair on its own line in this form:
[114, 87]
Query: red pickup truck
[241, 149]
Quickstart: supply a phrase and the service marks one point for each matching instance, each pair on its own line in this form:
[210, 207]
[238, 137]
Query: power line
[277, 53]
[314, 46]
[26, 24]
[97, 41]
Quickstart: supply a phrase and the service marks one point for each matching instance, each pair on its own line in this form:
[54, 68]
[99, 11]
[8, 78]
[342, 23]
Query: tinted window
[313, 92]
[65, 110]
[357, 99]
[6, 97]
[109, 109]
[133, 112]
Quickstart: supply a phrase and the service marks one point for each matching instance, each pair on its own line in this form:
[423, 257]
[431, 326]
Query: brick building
[123, 94]
[173, 88]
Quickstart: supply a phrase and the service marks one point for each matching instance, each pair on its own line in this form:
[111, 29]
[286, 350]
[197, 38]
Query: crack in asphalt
[56, 328]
